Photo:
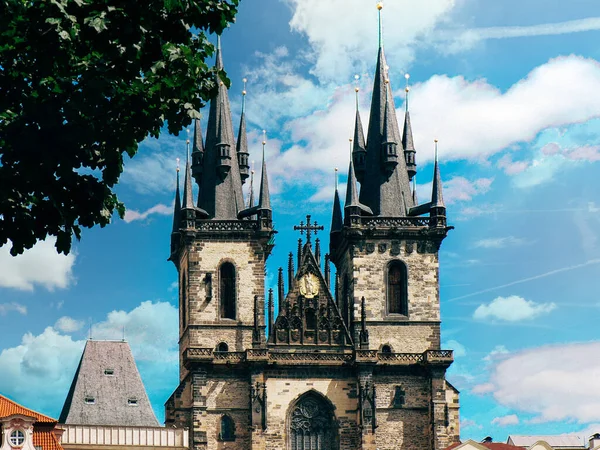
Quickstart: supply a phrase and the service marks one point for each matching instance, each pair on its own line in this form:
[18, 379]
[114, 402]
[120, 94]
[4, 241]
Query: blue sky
[512, 91]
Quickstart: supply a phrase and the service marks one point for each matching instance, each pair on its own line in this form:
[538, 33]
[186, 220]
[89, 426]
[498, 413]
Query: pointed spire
[197, 152]
[359, 152]
[188, 200]
[414, 191]
[379, 8]
[407, 137]
[337, 220]
[177, 208]
[221, 185]
[290, 271]
[437, 199]
[385, 184]
[271, 311]
[351, 189]
[242, 141]
[280, 294]
[264, 199]
[251, 193]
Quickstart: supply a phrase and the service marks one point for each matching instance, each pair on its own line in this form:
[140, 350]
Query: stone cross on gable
[309, 228]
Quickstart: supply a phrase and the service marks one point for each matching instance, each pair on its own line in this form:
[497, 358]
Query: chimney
[594, 441]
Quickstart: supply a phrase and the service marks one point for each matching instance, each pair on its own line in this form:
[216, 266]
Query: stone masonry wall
[366, 266]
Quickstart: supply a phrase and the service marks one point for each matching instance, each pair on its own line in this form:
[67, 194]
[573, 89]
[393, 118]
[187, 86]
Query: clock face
[309, 285]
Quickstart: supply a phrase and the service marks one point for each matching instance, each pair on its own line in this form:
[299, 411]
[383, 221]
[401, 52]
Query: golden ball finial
[350, 139]
[356, 77]
[336, 169]
[177, 159]
[379, 6]
[356, 89]
[244, 92]
[252, 171]
[406, 89]
[435, 140]
[221, 83]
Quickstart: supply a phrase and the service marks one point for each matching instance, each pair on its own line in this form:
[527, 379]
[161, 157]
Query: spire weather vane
[308, 228]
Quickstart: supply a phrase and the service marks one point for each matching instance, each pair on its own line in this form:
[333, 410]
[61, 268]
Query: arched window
[222, 347]
[312, 425]
[397, 288]
[227, 291]
[311, 319]
[386, 349]
[227, 432]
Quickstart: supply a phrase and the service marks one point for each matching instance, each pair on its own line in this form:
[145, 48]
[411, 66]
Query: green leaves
[83, 82]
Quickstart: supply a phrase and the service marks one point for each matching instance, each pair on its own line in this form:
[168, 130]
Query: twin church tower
[351, 364]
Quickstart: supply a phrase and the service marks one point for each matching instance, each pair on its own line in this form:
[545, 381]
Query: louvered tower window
[397, 288]
[227, 292]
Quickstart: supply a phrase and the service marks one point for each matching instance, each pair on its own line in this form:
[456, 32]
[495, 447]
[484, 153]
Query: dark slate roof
[188, 196]
[359, 135]
[352, 200]
[264, 199]
[407, 136]
[242, 141]
[177, 208]
[111, 393]
[198, 145]
[386, 195]
[221, 199]
[437, 199]
[336, 218]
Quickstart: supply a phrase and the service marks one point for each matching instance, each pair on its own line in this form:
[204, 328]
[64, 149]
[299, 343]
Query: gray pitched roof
[437, 199]
[359, 135]
[177, 208]
[97, 397]
[188, 198]
[386, 195]
[336, 217]
[221, 198]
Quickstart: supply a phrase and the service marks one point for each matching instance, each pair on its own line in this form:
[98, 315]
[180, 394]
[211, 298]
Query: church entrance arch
[311, 424]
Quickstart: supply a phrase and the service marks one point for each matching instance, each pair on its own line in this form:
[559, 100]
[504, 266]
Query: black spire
[385, 189]
[337, 220]
[407, 140]
[251, 193]
[242, 141]
[437, 199]
[221, 185]
[197, 152]
[359, 151]
[177, 208]
[188, 196]
[353, 206]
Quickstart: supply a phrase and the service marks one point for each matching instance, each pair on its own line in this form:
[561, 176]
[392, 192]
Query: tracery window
[397, 288]
[311, 425]
[227, 292]
[227, 432]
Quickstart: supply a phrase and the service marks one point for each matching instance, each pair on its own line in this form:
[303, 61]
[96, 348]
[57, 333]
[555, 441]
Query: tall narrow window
[227, 291]
[183, 301]
[227, 429]
[397, 288]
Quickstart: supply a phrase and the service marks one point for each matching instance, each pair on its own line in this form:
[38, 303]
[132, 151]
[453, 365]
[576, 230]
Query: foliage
[82, 82]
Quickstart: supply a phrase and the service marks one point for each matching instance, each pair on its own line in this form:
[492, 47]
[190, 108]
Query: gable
[309, 315]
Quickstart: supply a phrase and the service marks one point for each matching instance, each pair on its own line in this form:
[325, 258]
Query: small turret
[438, 209]
[188, 210]
[264, 199]
[407, 139]
[176, 217]
[242, 141]
[389, 146]
[197, 152]
[223, 146]
[359, 151]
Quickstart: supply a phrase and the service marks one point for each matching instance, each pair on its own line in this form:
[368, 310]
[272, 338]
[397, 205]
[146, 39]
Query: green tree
[83, 82]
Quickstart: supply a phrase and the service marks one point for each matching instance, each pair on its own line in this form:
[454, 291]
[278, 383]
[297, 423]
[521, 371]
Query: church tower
[353, 364]
[385, 250]
[219, 248]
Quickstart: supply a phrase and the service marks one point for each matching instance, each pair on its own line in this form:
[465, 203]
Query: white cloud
[5, 308]
[512, 309]
[459, 349]
[468, 423]
[40, 265]
[501, 242]
[468, 38]
[67, 324]
[342, 46]
[499, 352]
[557, 383]
[39, 370]
[484, 388]
[504, 421]
[131, 214]
[511, 167]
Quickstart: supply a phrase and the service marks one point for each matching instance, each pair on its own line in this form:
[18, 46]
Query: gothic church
[351, 364]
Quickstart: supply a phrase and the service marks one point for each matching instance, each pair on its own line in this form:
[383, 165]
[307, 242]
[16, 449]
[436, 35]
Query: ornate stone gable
[309, 315]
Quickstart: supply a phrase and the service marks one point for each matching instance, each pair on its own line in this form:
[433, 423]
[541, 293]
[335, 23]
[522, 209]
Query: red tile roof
[490, 445]
[9, 408]
[46, 439]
